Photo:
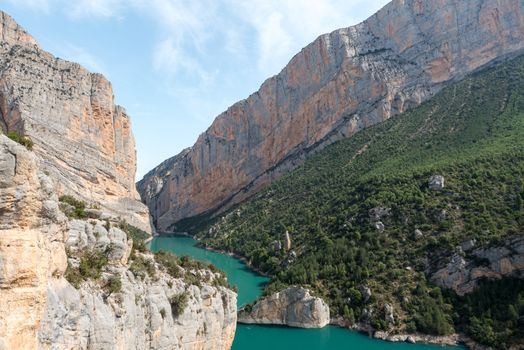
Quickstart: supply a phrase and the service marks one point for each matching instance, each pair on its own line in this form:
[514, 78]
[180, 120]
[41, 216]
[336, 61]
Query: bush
[23, 140]
[113, 285]
[142, 267]
[73, 276]
[79, 207]
[170, 262]
[90, 267]
[133, 232]
[178, 303]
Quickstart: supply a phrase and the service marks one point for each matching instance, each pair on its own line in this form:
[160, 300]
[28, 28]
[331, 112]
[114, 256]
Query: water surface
[258, 337]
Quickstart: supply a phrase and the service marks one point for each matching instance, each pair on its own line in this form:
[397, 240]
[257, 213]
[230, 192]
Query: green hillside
[472, 133]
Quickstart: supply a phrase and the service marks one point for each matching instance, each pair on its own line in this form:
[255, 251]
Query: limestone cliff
[293, 307]
[341, 83]
[82, 138]
[69, 283]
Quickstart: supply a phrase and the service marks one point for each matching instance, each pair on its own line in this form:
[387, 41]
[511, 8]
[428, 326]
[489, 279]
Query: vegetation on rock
[90, 266]
[23, 140]
[72, 207]
[361, 213]
[178, 303]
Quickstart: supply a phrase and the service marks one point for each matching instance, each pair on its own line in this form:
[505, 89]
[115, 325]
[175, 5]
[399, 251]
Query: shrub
[133, 232]
[23, 140]
[73, 276]
[142, 267]
[178, 303]
[113, 285]
[79, 207]
[170, 262]
[90, 267]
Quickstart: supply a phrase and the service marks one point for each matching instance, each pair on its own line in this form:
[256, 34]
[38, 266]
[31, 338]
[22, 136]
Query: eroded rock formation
[293, 307]
[462, 273]
[341, 83]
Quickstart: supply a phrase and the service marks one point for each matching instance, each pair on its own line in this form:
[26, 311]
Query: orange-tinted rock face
[82, 138]
[344, 81]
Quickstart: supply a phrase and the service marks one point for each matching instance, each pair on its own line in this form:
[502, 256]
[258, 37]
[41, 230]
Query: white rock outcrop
[462, 274]
[293, 307]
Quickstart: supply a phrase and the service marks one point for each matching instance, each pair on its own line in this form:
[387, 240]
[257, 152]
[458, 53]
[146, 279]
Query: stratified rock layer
[82, 138]
[293, 307]
[341, 83]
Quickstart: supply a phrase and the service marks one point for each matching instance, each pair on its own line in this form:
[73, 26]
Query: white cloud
[94, 8]
[284, 27]
[277, 29]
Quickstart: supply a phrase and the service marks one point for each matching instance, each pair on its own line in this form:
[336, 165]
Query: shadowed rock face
[339, 84]
[83, 139]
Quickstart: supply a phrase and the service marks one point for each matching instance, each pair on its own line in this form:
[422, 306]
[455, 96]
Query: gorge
[370, 191]
[341, 83]
[380, 169]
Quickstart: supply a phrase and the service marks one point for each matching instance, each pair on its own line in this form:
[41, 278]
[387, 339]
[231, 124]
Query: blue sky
[176, 64]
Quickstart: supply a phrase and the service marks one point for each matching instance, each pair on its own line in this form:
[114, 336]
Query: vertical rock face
[83, 146]
[341, 83]
[82, 138]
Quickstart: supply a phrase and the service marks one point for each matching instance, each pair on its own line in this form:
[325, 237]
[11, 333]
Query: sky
[177, 64]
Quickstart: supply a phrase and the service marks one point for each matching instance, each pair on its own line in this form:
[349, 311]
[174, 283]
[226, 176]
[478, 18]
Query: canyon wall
[341, 83]
[82, 138]
[70, 281]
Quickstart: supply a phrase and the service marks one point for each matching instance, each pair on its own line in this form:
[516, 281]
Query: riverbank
[334, 336]
[219, 251]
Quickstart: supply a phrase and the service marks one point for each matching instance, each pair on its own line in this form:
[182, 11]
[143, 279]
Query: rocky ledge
[293, 307]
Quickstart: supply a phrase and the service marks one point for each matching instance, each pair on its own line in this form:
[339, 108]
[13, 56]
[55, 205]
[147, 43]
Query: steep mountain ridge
[343, 82]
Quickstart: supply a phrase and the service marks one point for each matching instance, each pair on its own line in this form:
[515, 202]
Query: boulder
[379, 226]
[436, 183]
[388, 311]
[287, 241]
[293, 307]
[417, 234]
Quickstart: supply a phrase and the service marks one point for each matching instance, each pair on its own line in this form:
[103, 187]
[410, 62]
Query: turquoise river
[254, 337]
